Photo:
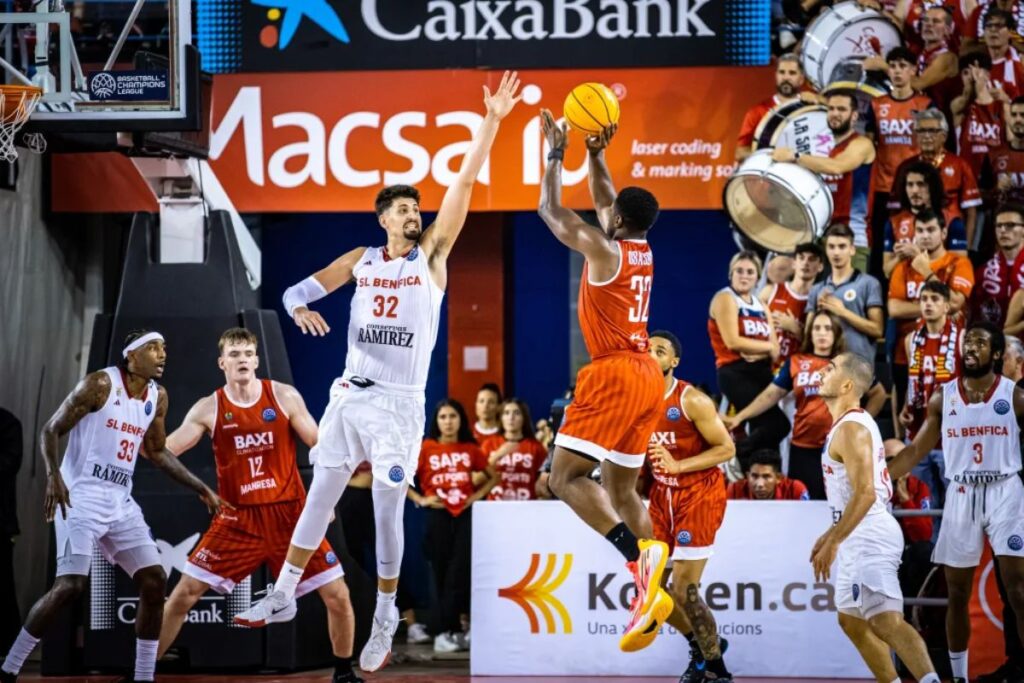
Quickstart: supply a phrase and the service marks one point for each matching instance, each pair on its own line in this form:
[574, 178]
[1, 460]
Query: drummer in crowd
[851, 151]
[1007, 70]
[789, 88]
[891, 124]
[962, 197]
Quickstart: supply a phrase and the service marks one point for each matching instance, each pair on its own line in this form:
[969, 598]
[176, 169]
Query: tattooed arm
[87, 397]
[155, 449]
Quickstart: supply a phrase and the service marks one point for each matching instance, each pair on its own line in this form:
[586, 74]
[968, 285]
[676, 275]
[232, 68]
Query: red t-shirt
[783, 298]
[518, 469]
[786, 489]
[481, 435]
[894, 131]
[915, 528]
[801, 375]
[980, 132]
[446, 470]
[752, 118]
[1009, 163]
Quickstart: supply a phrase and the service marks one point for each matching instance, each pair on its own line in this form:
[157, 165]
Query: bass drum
[799, 126]
[777, 205]
[842, 33]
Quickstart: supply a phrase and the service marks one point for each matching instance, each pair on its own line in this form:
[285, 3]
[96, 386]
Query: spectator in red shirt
[979, 112]
[514, 455]
[451, 477]
[789, 81]
[765, 480]
[910, 493]
[488, 399]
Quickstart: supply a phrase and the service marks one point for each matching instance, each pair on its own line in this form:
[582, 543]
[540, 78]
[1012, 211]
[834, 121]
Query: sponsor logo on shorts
[396, 474]
[149, 407]
[684, 537]
[269, 415]
[1002, 407]
[1015, 542]
[331, 557]
[674, 414]
[856, 591]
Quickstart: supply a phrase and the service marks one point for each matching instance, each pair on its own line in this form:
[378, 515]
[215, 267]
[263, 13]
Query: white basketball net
[16, 104]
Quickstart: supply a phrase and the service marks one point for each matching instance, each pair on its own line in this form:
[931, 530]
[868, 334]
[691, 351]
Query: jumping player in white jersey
[376, 411]
[977, 417]
[864, 537]
[114, 415]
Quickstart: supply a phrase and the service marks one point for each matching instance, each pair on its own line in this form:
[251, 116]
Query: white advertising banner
[551, 597]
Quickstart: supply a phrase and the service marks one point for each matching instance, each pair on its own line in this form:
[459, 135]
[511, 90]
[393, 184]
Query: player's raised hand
[214, 503]
[311, 322]
[557, 136]
[504, 98]
[596, 143]
[56, 495]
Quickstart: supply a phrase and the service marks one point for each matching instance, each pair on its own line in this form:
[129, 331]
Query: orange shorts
[687, 519]
[615, 409]
[239, 541]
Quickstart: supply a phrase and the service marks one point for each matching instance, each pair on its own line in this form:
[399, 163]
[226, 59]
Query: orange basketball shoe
[652, 605]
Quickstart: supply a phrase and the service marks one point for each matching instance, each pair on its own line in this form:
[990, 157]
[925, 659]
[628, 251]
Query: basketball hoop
[17, 102]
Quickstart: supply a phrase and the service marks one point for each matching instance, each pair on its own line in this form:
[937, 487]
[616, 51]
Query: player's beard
[786, 89]
[842, 129]
[411, 233]
[977, 371]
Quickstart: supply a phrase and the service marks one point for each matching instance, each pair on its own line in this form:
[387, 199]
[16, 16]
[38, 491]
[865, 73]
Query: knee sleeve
[324, 492]
[388, 511]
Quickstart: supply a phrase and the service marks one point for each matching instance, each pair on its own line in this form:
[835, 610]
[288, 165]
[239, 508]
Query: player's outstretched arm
[565, 224]
[599, 178]
[297, 298]
[438, 239]
[154, 443]
[923, 442]
[298, 414]
[88, 396]
[196, 423]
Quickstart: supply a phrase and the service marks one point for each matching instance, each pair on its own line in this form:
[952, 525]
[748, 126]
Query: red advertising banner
[329, 141]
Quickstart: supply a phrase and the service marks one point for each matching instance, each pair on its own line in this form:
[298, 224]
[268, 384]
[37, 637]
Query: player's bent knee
[151, 583]
[335, 596]
[187, 591]
[69, 587]
[885, 625]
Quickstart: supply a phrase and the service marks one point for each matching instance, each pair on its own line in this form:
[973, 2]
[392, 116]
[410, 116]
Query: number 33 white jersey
[393, 324]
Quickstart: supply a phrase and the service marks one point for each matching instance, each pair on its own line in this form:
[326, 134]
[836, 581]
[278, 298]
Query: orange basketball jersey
[680, 437]
[894, 125]
[255, 451]
[613, 314]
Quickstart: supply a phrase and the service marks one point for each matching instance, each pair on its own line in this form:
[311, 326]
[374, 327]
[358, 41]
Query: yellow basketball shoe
[652, 605]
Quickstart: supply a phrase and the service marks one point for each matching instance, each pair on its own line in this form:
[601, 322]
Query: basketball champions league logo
[535, 595]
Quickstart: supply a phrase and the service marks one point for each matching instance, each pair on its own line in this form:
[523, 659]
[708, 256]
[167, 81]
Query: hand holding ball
[591, 108]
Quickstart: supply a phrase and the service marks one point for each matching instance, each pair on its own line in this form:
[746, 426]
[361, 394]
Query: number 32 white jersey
[103, 447]
[393, 324]
[980, 441]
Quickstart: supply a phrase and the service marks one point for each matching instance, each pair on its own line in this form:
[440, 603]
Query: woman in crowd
[745, 345]
[451, 477]
[488, 399]
[515, 456]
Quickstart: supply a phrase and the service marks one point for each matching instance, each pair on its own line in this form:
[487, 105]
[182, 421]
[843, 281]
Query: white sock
[958, 662]
[20, 651]
[931, 677]
[145, 658]
[386, 608]
[288, 579]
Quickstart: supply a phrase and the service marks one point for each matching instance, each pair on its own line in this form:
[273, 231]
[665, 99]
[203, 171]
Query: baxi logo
[290, 12]
[529, 593]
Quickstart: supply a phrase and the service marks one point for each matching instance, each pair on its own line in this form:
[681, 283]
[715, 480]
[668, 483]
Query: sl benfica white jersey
[980, 441]
[104, 446]
[393, 324]
[837, 484]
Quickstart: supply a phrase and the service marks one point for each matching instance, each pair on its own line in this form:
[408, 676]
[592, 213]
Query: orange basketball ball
[591, 107]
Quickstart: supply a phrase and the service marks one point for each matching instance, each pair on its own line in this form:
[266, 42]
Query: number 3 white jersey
[103, 447]
[980, 441]
[837, 483]
[393, 324]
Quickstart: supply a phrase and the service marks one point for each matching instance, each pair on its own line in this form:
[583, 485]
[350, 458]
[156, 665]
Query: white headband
[142, 341]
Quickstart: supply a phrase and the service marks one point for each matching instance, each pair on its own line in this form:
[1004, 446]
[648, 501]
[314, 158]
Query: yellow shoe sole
[656, 572]
[646, 630]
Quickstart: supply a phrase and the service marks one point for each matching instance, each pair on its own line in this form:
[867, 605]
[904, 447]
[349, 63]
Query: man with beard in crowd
[789, 80]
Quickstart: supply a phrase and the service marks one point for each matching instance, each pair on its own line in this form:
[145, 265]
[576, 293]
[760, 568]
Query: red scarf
[995, 284]
[945, 367]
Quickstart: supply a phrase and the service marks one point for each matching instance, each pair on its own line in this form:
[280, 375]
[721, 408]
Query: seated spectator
[449, 478]
[978, 112]
[765, 481]
[910, 493]
[787, 301]
[514, 455]
[1007, 161]
[999, 278]
[488, 398]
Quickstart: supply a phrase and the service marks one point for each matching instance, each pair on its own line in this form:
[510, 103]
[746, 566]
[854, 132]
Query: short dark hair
[977, 58]
[491, 387]
[838, 230]
[901, 54]
[465, 431]
[927, 215]
[766, 456]
[638, 207]
[387, 196]
[998, 340]
[844, 93]
[936, 287]
[812, 248]
[672, 339]
[1010, 207]
[997, 13]
[1019, 99]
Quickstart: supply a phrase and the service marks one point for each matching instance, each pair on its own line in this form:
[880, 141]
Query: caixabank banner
[324, 35]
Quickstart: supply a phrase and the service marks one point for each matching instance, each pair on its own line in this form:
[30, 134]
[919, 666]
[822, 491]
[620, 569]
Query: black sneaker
[350, 677]
[718, 674]
[695, 671]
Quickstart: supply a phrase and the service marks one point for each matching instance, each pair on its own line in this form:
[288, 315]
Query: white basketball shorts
[125, 541]
[867, 564]
[976, 511]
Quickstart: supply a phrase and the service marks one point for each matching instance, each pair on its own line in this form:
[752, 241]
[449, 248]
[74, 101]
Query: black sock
[342, 665]
[717, 667]
[624, 541]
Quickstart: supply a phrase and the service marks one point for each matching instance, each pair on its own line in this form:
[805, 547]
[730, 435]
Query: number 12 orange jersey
[613, 314]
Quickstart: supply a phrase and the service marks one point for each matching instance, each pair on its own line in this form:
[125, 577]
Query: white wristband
[302, 294]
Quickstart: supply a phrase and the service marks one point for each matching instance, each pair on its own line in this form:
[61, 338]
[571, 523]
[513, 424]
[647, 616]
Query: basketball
[591, 107]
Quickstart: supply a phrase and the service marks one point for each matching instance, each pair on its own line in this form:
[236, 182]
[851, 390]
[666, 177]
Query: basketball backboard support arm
[59, 92]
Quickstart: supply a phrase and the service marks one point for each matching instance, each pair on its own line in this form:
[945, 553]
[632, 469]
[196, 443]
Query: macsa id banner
[551, 597]
[328, 142]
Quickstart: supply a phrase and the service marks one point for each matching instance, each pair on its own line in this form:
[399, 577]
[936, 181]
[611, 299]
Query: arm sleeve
[970, 195]
[963, 277]
[302, 294]
[784, 378]
[873, 295]
[898, 282]
[956, 238]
